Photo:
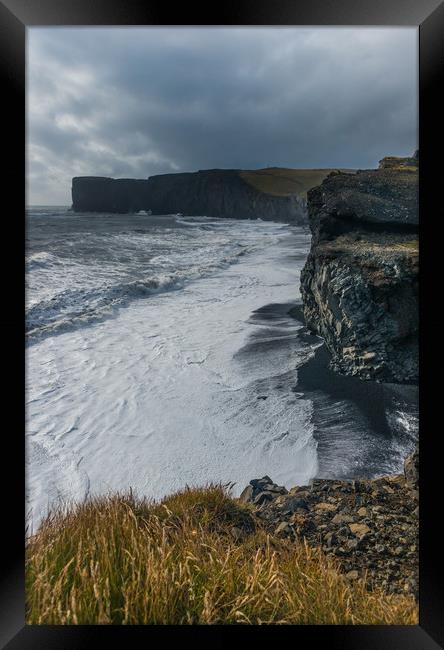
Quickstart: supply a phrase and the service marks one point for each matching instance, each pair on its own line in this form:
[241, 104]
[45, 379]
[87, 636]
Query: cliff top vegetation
[282, 181]
[197, 557]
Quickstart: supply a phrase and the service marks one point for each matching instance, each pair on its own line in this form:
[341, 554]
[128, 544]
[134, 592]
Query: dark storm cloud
[140, 101]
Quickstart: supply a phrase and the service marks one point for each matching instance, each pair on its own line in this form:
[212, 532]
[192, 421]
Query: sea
[171, 351]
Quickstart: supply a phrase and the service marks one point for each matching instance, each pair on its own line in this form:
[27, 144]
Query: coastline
[390, 411]
[280, 367]
[267, 399]
[163, 388]
[359, 291]
[326, 514]
[368, 519]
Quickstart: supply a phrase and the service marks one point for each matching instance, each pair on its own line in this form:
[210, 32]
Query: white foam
[97, 272]
[158, 397]
[41, 259]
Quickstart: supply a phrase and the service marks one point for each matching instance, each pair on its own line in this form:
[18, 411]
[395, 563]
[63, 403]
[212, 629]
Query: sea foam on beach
[160, 353]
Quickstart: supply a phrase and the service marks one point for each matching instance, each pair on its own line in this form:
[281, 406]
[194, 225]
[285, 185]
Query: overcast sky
[133, 102]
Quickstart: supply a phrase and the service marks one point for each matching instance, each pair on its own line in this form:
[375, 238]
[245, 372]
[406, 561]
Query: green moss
[282, 181]
[412, 244]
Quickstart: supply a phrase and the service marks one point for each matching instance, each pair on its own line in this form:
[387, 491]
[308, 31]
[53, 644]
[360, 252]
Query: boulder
[261, 482]
[293, 504]
[341, 519]
[283, 529]
[262, 497]
[247, 494]
[360, 530]
[411, 469]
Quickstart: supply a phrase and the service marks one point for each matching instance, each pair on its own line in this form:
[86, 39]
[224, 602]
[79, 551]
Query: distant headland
[273, 193]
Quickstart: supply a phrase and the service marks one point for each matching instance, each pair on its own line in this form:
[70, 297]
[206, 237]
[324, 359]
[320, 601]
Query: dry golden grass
[124, 560]
[281, 181]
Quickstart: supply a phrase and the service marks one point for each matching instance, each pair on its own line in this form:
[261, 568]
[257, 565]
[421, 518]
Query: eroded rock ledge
[371, 526]
[360, 282]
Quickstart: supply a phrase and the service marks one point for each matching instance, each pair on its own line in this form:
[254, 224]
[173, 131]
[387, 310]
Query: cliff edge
[360, 282]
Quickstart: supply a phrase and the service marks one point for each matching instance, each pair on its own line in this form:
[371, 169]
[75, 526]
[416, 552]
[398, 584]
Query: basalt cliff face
[360, 282]
[272, 194]
[213, 193]
[220, 193]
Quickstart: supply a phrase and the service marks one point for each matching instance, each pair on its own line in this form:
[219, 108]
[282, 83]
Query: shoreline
[363, 429]
[160, 390]
[375, 402]
[369, 524]
[276, 436]
[362, 522]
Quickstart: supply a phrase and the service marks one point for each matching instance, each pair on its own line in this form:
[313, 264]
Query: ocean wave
[87, 269]
[72, 308]
[78, 307]
[191, 221]
[404, 422]
[41, 260]
[48, 211]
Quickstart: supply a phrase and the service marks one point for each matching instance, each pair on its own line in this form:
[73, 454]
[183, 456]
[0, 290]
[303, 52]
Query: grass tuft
[123, 560]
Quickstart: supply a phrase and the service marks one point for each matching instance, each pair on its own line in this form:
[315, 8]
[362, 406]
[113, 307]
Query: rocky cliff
[220, 193]
[271, 194]
[360, 282]
[101, 194]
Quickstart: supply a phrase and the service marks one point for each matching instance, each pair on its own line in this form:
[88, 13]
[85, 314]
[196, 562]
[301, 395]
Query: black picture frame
[15, 17]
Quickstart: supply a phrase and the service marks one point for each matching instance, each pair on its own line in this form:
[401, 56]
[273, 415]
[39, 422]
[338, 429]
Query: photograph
[222, 325]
